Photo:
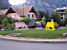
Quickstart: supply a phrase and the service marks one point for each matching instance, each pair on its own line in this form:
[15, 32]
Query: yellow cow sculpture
[50, 25]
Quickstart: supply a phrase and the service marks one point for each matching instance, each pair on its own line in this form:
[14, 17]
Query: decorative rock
[38, 25]
[65, 34]
[61, 28]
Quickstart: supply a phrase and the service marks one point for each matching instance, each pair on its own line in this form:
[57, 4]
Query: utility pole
[23, 10]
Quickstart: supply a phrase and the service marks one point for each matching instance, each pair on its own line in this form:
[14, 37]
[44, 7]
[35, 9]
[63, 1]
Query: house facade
[21, 13]
[3, 11]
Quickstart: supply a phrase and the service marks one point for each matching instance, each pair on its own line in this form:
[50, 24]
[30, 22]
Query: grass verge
[35, 33]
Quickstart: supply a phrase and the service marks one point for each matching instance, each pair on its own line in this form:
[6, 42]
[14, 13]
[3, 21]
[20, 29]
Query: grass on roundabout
[35, 33]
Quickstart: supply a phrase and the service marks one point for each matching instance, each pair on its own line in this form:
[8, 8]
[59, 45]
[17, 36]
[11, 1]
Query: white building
[62, 12]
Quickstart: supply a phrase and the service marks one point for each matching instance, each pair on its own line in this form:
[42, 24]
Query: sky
[17, 2]
[6, 3]
[48, 3]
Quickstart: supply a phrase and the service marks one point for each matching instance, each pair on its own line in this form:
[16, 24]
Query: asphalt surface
[12, 45]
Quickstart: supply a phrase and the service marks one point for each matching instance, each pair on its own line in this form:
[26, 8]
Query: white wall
[31, 15]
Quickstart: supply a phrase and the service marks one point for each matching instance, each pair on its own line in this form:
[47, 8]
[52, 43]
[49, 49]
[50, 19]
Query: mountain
[38, 4]
[4, 4]
[47, 4]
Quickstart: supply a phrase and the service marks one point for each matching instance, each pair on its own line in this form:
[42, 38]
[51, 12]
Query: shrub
[43, 23]
[10, 26]
[56, 25]
[63, 23]
[27, 21]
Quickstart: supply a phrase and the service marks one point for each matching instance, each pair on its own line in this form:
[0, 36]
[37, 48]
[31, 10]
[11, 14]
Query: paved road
[11, 45]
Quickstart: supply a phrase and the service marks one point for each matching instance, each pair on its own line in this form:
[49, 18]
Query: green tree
[65, 17]
[46, 15]
[56, 17]
[7, 22]
[42, 14]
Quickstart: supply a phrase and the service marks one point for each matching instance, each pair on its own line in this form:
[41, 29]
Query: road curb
[33, 40]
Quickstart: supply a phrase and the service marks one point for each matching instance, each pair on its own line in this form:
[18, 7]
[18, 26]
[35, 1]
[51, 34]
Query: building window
[32, 15]
[28, 15]
[61, 17]
[61, 10]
